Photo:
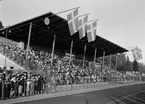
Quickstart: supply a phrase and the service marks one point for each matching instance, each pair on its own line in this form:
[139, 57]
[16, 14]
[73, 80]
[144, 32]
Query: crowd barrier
[10, 90]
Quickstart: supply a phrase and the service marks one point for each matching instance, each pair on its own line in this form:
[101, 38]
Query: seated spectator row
[58, 73]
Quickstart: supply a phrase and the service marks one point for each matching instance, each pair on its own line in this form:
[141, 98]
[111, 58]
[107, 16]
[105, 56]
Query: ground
[128, 94]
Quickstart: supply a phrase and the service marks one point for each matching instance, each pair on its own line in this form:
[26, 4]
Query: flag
[140, 54]
[91, 31]
[137, 53]
[73, 21]
[82, 26]
[134, 54]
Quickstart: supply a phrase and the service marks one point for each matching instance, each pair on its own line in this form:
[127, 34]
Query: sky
[120, 21]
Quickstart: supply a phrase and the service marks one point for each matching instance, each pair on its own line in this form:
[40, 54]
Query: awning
[42, 35]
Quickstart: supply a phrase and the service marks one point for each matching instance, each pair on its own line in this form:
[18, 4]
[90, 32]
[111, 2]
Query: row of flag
[80, 23]
[85, 27]
[137, 53]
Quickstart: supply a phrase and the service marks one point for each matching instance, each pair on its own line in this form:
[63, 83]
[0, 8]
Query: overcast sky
[120, 21]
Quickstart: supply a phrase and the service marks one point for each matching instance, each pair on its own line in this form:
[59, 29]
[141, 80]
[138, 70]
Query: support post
[53, 46]
[71, 48]
[110, 61]
[28, 44]
[95, 55]
[84, 56]
[116, 62]
[103, 59]
[5, 50]
[94, 64]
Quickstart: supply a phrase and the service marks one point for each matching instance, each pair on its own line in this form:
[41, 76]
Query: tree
[121, 62]
[135, 66]
[1, 25]
[141, 67]
[128, 65]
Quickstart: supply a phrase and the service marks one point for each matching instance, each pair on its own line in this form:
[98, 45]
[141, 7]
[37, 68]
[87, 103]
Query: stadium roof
[43, 35]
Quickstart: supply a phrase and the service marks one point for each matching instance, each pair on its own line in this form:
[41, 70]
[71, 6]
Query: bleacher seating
[61, 73]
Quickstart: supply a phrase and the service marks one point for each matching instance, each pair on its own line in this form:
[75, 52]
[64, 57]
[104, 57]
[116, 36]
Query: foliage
[141, 67]
[135, 66]
[1, 25]
[128, 65]
[123, 62]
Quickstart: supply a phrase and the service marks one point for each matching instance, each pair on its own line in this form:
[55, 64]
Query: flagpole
[103, 58]
[28, 43]
[67, 10]
[84, 55]
[71, 47]
[83, 15]
[47, 16]
[93, 20]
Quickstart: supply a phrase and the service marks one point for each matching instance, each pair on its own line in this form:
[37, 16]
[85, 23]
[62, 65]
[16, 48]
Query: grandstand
[38, 57]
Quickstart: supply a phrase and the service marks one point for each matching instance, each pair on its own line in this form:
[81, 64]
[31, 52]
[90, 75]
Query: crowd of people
[40, 59]
[13, 84]
[55, 72]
